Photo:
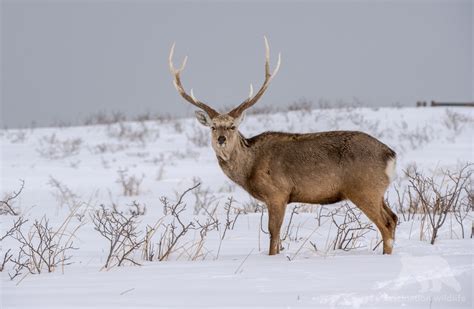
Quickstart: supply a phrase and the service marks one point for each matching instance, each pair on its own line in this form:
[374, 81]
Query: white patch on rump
[390, 169]
[390, 243]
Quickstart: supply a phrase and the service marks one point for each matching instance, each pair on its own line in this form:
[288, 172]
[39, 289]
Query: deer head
[224, 126]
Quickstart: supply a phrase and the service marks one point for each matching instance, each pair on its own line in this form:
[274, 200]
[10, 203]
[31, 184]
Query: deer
[279, 168]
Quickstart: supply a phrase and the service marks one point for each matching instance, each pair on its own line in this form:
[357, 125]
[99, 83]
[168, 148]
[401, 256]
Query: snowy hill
[221, 257]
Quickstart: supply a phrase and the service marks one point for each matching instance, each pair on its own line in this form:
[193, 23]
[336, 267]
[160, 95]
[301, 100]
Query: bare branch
[6, 206]
[439, 197]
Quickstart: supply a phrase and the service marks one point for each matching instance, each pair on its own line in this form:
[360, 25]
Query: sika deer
[280, 168]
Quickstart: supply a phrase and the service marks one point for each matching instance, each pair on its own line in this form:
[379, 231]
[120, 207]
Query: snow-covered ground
[77, 169]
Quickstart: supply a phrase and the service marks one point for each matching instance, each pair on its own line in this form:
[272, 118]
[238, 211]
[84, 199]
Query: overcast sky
[65, 60]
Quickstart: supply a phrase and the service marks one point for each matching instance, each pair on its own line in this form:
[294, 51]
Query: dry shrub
[170, 235]
[367, 125]
[101, 118]
[349, 222]
[177, 126]
[407, 203]
[232, 214]
[187, 153]
[290, 229]
[42, 248]
[252, 206]
[121, 231]
[144, 116]
[173, 228]
[455, 121]
[137, 132]
[301, 104]
[17, 224]
[16, 136]
[107, 148]
[439, 196]
[203, 198]
[200, 137]
[418, 137]
[351, 229]
[63, 194]
[128, 243]
[130, 184]
[227, 187]
[7, 204]
[14, 228]
[308, 208]
[51, 147]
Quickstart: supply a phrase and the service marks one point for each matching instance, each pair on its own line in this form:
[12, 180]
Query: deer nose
[221, 139]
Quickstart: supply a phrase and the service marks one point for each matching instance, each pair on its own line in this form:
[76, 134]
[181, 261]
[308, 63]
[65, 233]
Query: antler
[268, 78]
[177, 83]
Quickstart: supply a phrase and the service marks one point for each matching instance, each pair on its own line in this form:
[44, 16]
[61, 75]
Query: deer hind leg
[276, 214]
[390, 217]
[374, 209]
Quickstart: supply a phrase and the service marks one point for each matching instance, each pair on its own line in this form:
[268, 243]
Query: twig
[8, 208]
[241, 264]
[126, 291]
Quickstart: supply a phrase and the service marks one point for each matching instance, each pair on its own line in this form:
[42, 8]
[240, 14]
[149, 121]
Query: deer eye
[232, 128]
[213, 128]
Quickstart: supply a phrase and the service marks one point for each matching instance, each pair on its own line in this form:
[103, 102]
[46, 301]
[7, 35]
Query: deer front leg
[276, 214]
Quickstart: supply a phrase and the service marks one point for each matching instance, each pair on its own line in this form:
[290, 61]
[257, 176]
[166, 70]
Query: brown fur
[319, 168]
[281, 168]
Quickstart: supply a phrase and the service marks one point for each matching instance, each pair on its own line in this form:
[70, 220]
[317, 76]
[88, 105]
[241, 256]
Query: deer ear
[239, 120]
[203, 118]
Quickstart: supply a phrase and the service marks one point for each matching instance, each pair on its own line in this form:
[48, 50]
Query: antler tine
[177, 84]
[268, 78]
[267, 56]
[251, 91]
[170, 61]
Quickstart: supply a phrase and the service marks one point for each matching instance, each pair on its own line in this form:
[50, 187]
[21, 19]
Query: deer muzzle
[221, 140]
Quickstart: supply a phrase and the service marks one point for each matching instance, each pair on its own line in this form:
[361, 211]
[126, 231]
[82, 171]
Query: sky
[62, 61]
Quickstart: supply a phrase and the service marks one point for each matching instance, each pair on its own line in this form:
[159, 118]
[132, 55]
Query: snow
[416, 275]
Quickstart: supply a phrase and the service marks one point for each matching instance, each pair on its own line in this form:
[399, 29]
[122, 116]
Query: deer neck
[237, 163]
